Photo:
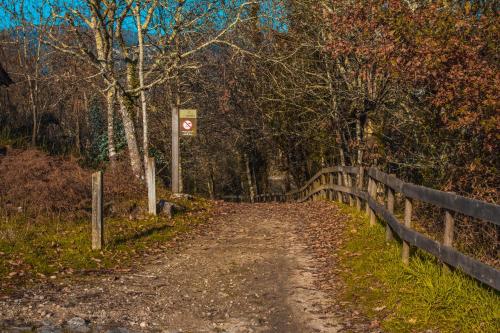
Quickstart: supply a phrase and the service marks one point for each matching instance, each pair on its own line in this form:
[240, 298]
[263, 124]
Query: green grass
[31, 250]
[415, 298]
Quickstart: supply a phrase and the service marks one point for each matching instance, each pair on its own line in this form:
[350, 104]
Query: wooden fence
[349, 184]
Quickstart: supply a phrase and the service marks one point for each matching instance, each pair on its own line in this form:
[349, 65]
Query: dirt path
[251, 270]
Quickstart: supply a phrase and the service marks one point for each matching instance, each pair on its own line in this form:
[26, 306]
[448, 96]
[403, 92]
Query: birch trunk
[103, 37]
[34, 113]
[251, 189]
[145, 140]
[110, 105]
[130, 136]
[343, 161]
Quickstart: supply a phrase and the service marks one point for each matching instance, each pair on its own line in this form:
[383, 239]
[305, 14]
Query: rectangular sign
[187, 122]
[187, 113]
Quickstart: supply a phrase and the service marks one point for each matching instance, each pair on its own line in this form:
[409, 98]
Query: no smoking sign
[187, 122]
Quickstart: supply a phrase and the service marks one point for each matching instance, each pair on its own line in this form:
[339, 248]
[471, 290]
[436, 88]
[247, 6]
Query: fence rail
[348, 184]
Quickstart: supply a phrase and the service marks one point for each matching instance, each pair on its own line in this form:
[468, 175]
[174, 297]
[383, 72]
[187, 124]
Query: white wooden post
[151, 170]
[97, 211]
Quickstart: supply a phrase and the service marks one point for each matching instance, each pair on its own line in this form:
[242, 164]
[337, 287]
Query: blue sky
[34, 8]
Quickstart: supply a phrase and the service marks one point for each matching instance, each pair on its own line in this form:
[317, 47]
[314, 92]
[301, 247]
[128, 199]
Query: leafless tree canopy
[282, 88]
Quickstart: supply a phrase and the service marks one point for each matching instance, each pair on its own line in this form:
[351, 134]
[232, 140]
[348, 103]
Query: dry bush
[35, 183]
[123, 192]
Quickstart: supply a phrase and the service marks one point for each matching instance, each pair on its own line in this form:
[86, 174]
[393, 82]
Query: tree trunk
[130, 136]
[34, 113]
[77, 136]
[145, 141]
[249, 178]
[359, 139]
[343, 163]
[34, 128]
[110, 105]
[211, 190]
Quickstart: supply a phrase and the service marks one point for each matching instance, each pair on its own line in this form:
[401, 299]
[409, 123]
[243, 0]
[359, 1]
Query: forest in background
[282, 88]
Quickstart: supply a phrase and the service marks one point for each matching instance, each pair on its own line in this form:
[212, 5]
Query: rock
[78, 325]
[143, 324]
[168, 209]
[165, 208]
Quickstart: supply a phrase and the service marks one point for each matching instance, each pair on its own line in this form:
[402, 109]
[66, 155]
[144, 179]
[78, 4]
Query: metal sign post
[184, 121]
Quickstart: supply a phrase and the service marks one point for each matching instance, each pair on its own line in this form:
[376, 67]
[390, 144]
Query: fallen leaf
[374, 324]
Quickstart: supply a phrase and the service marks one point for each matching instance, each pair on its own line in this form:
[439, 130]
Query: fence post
[349, 184]
[368, 191]
[323, 182]
[339, 182]
[406, 246]
[449, 226]
[329, 182]
[390, 207]
[373, 194]
[151, 186]
[97, 211]
[359, 182]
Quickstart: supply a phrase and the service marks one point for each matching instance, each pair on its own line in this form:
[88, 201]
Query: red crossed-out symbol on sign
[187, 124]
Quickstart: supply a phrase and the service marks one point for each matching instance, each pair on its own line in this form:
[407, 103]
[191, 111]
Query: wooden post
[449, 226]
[97, 211]
[390, 207]
[368, 190]
[323, 182]
[406, 246]
[349, 184]
[339, 182]
[176, 158]
[317, 185]
[331, 195]
[359, 182]
[152, 185]
[373, 195]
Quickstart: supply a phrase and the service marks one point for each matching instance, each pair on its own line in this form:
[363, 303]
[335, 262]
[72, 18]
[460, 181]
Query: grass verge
[415, 298]
[33, 250]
